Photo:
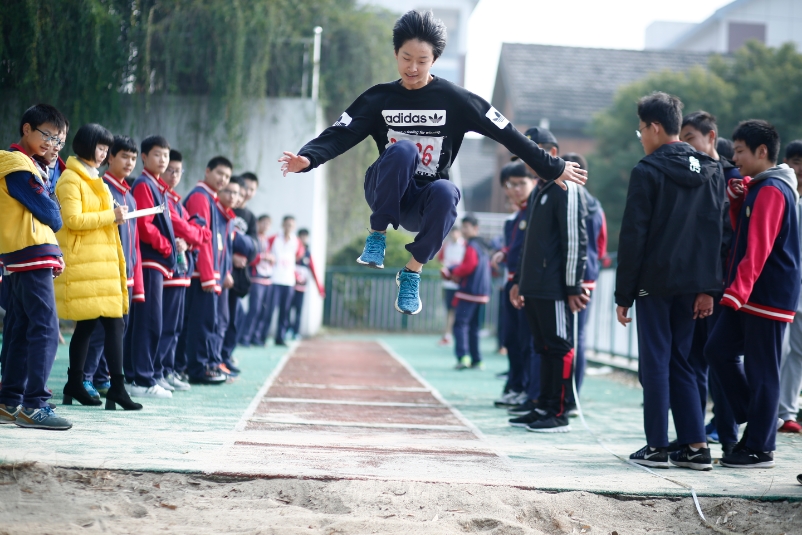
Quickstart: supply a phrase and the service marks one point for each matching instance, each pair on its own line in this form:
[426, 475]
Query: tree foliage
[758, 82]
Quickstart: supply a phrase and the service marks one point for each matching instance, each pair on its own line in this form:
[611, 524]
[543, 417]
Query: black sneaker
[550, 424]
[651, 457]
[527, 419]
[211, 376]
[524, 408]
[747, 458]
[571, 411]
[674, 446]
[695, 460]
[728, 449]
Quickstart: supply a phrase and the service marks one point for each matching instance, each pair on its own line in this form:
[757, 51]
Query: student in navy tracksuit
[761, 293]
[121, 161]
[253, 330]
[193, 233]
[596, 227]
[237, 243]
[199, 339]
[699, 130]
[473, 275]
[159, 249]
[669, 260]
[304, 270]
[523, 379]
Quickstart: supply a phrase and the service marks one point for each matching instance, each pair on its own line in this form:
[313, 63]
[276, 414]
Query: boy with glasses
[669, 262]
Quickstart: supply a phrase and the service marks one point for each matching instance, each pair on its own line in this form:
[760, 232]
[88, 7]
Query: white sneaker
[523, 397]
[177, 383]
[155, 391]
[162, 382]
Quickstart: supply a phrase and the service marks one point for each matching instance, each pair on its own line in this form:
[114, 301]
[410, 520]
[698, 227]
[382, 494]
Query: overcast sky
[586, 23]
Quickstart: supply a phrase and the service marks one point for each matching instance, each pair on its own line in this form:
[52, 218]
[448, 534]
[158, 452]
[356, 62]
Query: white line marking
[334, 423]
[355, 387]
[358, 403]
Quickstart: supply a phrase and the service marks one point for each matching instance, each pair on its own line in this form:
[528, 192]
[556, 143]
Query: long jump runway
[351, 409]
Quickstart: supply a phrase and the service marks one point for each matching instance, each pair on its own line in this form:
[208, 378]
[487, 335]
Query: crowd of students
[711, 257]
[155, 284]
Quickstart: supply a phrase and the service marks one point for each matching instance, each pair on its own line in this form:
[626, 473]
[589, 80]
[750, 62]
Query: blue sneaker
[8, 414]
[373, 255]
[44, 418]
[408, 300]
[90, 389]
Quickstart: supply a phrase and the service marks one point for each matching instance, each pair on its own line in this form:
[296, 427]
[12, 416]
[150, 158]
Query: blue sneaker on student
[44, 418]
[91, 390]
[102, 388]
[408, 300]
[373, 254]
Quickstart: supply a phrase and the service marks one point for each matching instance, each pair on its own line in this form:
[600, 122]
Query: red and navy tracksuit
[168, 359]
[254, 328]
[474, 292]
[306, 266]
[159, 262]
[596, 226]
[95, 368]
[524, 374]
[199, 339]
[761, 293]
[31, 324]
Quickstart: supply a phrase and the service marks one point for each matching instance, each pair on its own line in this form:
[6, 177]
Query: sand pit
[39, 499]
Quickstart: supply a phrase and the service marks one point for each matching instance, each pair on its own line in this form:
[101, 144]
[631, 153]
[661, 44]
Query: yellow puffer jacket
[94, 279]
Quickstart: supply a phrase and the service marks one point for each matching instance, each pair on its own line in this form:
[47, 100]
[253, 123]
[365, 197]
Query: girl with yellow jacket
[93, 288]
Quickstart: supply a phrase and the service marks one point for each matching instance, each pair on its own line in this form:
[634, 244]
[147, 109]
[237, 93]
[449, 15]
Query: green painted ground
[172, 434]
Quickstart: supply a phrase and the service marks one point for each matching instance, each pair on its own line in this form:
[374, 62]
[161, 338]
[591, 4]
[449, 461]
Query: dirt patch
[40, 499]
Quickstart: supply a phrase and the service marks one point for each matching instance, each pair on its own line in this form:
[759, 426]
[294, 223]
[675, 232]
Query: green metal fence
[363, 299]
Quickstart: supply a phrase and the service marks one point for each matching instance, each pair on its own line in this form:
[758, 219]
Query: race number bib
[429, 149]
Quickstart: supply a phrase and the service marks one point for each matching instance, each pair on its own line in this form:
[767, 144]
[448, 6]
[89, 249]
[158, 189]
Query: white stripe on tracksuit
[559, 318]
[572, 253]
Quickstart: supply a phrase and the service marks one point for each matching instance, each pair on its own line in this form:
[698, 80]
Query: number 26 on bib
[429, 149]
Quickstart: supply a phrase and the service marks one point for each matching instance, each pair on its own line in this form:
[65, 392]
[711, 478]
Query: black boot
[74, 389]
[117, 395]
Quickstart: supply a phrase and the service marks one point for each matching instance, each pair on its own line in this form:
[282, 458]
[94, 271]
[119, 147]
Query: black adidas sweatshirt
[435, 118]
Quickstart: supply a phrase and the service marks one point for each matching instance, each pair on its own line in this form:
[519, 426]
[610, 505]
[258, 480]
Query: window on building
[741, 32]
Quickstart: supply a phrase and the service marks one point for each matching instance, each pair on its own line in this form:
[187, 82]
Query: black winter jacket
[552, 264]
[671, 234]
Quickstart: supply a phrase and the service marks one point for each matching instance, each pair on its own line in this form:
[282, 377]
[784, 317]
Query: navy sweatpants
[230, 336]
[707, 376]
[258, 301]
[752, 386]
[146, 329]
[172, 324]
[552, 325]
[282, 300]
[665, 334]
[200, 337]
[32, 341]
[466, 330]
[395, 198]
[95, 368]
[297, 308]
[524, 373]
[8, 321]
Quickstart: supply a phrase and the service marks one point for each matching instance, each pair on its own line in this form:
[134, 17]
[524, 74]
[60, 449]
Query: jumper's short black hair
[303, 232]
[724, 148]
[123, 143]
[793, 149]
[40, 114]
[176, 156]
[154, 141]
[87, 138]
[514, 169]
[288, 218]
[702, 121]
[423, 26]
[757, 132]
[661, 108]
[263, 217]
[576, 157]
[247, 175]
[470, 219]
[219, 161]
